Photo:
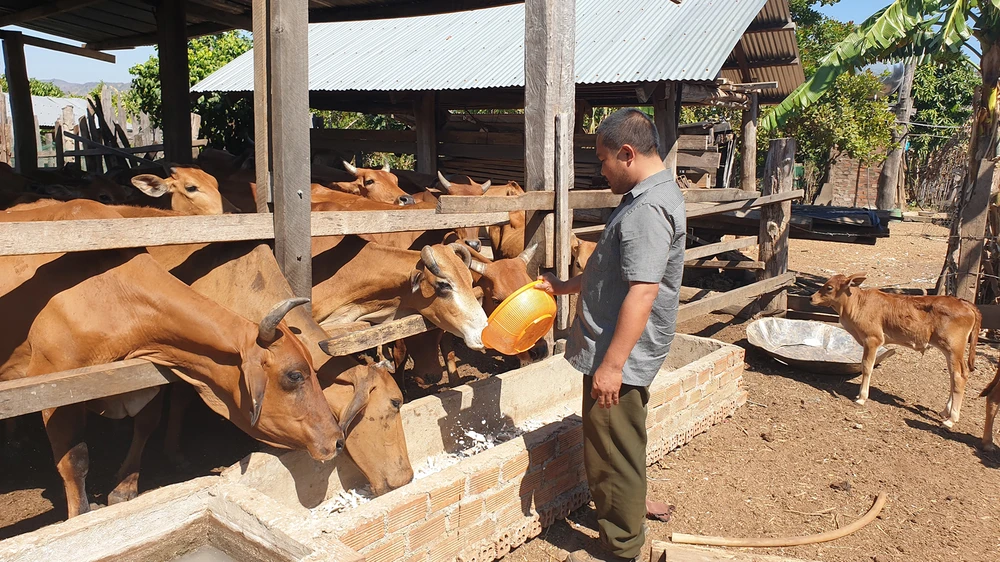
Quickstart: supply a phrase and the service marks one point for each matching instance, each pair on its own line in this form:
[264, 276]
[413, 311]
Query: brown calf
[875, 318]
[992, 394]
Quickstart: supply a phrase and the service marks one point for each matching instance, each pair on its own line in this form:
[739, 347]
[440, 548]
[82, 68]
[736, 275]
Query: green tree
[38, 88]
[942, 97]
[926, 28]
[225, 121]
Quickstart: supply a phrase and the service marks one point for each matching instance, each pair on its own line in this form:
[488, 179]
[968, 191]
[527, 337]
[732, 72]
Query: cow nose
[406, 200]
[340, 445]
[474, 244]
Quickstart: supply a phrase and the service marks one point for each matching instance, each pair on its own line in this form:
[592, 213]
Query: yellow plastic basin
[520, 320]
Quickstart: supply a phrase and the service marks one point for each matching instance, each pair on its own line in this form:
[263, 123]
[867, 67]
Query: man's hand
[549, 283]
[606, 386]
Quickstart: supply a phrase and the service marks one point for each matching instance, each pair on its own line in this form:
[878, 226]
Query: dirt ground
[768, 471]
[802, 458]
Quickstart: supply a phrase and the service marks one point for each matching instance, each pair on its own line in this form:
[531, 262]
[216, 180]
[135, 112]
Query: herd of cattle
[224, 319]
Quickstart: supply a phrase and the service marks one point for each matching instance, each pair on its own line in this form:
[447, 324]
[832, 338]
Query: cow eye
[369, 182]
[295, 376]
[397, 404]
[191, 188]
[443, 287]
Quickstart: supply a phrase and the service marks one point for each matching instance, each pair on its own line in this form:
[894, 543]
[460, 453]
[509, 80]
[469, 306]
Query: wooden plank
[578, 199]
[733, 297]
[69, 49]
[719, 247]
[425, 111]
[707, 161]
[44, 10]
[57, 143]
[26, 238]
[662, 551]
[563, 213]
[775, 218]
[174, 80]
[262, 105]
[360, 340]
[289, 79]
[724, 264]
[666, 108]
[34, 394]
[743, 205]
[389, 136]
[93, 162]
[748, 145]
[19, 93]
[814, 316]
[715, 195]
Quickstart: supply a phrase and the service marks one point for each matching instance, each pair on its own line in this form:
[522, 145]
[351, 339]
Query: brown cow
[580, 250]
[192, 190]
[992, 394]
[377, 185]
[875, 318]
[74, 310]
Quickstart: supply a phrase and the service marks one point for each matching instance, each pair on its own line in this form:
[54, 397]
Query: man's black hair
[632, 127]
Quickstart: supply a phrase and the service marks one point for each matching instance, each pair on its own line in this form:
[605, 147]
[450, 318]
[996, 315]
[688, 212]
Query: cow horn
[445, 184]
[529, 253]
[427, 255]
[463, 253]
[478, 266]
[486, 186]
[269, 325]
[385, 167]
[350, 169]
[363, 387]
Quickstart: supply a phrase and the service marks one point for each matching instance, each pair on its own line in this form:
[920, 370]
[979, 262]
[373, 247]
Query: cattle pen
[481, 513]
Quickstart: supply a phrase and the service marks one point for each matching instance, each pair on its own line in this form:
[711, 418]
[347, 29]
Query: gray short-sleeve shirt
[642, 242]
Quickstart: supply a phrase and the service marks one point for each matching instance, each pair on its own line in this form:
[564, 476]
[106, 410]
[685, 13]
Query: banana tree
[918, 29]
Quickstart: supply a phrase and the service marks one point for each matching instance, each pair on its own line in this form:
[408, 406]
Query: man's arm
[553, 286]
[632, 320]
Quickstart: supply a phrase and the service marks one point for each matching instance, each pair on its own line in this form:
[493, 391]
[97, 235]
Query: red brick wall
[854, 184]
[489, 504]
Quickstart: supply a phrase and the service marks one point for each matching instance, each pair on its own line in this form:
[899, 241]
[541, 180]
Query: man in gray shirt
[624, 324]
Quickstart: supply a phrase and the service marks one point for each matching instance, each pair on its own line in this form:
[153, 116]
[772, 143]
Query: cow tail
[974, 338]
[989, 388]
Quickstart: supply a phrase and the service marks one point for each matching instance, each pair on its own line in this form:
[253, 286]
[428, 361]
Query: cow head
[377, 185]
[461, 185]
[367, 401]
[499, 279]
[581, 250]
[442, 292]
[837, 290]
[192, 191]
[281, 402]
[508, 240]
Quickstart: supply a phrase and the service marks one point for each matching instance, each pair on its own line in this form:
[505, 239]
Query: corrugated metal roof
[48, 108]
[617, 42]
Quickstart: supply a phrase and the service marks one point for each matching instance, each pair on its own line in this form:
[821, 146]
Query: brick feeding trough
[526, 472]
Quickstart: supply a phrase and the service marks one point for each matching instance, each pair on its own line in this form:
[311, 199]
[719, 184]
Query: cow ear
[415, 278]
[255, 383]
[151, 185]
[857, 279]
[363, 380]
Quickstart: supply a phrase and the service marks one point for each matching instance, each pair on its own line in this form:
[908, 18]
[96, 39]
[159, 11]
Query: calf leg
[959, 376]
[181, 395]
[447, 345]
[128, 476]
[992, 405]
[868, 364]
[65, 427]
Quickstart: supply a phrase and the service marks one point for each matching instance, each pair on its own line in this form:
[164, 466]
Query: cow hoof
[117, 496]
[948, 424]
[989, 447]
[860, 401]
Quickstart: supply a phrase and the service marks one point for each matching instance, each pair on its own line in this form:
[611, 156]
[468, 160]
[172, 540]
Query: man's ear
[626, 153]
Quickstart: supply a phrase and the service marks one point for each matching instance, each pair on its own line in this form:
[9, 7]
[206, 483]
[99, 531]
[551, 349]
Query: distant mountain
[75, 89]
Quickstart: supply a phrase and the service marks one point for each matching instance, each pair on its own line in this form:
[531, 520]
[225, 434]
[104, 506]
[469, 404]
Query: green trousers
[614, 455]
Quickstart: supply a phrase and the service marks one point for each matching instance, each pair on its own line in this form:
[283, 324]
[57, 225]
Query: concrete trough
[527, 472]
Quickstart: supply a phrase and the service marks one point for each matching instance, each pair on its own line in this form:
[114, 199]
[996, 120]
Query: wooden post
[38, 136]
[261, 104]
[425, 111]
[57, 144]
[666, 114]
[563, 214]
[779, 175]
[6, 150]
[288, 45]
[550, 88]
[22, 115]
[93, 162]
[174, 80]
[748, 145]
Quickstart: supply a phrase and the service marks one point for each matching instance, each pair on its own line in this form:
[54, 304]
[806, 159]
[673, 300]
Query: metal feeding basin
[815, 347]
